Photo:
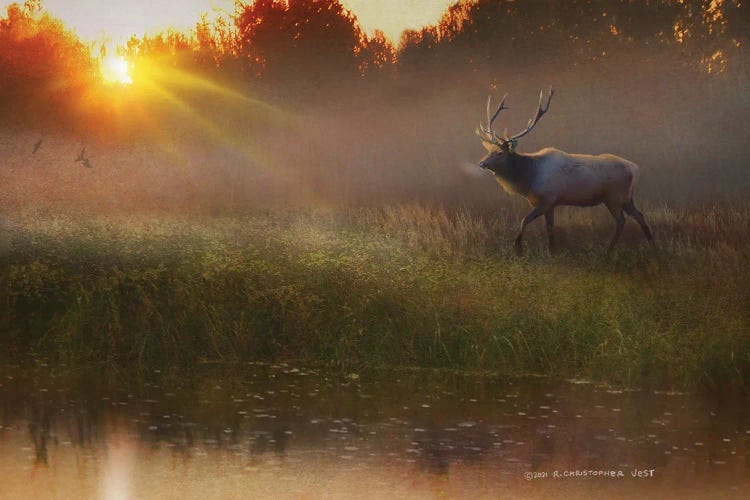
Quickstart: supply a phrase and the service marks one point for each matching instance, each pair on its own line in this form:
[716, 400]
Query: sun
[115, 69]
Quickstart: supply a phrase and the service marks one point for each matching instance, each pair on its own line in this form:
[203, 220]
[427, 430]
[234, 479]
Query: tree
[377, 54]
[304, 44]
[42, 65]
[578, 30]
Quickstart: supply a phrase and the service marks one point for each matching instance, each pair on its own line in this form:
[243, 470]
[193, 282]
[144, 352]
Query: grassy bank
[403, 286]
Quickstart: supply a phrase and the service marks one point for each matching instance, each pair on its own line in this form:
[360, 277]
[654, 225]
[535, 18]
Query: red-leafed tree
[42, 65]
[303, 44]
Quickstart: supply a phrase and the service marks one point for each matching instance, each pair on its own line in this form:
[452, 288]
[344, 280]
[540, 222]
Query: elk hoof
[518, 247]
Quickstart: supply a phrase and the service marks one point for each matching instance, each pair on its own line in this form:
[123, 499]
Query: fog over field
[406, 142]
[188, 137]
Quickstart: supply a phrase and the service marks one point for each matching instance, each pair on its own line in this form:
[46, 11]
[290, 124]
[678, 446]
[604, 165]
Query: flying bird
[37, 146]
[83, 160]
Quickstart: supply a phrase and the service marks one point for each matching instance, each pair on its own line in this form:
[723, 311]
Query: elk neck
[517, 175]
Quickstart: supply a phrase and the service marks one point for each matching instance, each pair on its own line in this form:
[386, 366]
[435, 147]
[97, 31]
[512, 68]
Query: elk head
[500, 149]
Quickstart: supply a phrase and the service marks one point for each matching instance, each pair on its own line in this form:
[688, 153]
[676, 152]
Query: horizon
[115, 22]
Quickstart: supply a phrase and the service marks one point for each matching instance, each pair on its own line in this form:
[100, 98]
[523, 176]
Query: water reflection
[283, 431]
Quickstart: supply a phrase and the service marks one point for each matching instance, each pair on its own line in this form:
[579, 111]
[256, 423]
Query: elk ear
[510, 146]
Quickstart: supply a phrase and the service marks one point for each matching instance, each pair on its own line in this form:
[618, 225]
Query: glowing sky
[116, 20]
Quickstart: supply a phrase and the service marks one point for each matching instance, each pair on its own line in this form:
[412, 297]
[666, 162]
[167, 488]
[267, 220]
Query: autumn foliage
[44, 68]
[313, 48]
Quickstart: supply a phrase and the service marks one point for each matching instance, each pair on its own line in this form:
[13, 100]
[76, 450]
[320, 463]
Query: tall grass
[397, 286]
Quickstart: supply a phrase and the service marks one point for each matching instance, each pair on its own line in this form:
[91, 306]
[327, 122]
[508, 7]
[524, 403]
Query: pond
[278, 431]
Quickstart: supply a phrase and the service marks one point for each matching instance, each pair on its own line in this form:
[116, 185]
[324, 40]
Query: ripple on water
[456, 431]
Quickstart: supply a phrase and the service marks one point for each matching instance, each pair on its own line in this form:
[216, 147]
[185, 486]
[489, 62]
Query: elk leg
[526, 221]
[549, 220]
[638, 216]
[620, 220]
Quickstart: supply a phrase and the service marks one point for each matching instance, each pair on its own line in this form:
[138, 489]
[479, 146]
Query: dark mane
[521, 172]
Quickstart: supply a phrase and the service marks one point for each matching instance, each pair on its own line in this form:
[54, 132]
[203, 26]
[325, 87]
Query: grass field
[399, 286]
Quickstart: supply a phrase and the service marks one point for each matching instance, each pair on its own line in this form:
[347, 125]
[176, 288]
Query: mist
[403, 134]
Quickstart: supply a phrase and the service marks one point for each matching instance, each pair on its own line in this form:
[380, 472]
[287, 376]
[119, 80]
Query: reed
[406, 285]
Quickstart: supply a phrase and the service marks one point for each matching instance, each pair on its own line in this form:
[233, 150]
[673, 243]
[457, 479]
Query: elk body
[551, 177]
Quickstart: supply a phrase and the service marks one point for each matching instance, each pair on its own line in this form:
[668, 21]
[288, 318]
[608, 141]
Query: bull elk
[551, 177]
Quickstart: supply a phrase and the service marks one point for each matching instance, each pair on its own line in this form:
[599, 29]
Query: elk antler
[488, 133]
[539, 112]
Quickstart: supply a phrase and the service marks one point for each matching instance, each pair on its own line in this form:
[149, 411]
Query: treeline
[44, 68]
[302, 45]
[318, 44]
[311, 47]
[476, 32]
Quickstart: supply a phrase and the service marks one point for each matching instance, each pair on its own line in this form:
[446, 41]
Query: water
[262, 431]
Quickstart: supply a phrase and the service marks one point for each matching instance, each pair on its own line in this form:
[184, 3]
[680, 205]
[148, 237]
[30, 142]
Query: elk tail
[634, 174]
